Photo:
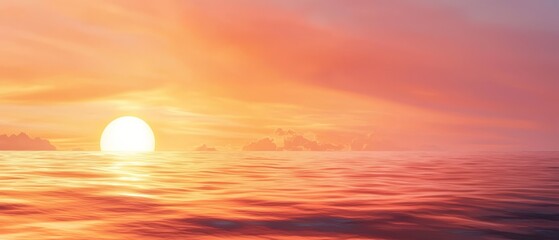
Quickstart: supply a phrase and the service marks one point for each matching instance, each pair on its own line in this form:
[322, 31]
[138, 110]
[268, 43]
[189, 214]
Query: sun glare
[128, 134]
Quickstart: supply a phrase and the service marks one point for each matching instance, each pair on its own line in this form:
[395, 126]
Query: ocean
[279, 195]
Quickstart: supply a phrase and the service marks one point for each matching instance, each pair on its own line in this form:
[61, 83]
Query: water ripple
[279, 195]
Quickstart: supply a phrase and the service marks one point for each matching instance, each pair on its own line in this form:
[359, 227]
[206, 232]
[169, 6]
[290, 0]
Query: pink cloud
[453, 67]
[430, 56]
[265, 144]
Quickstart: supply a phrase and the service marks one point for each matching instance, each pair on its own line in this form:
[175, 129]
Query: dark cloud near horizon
[205, 148]
[295, 141]
[22, 142]
[264, 144]
[292, 141]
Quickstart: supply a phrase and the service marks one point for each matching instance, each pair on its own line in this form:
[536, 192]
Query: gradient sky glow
[419, 75]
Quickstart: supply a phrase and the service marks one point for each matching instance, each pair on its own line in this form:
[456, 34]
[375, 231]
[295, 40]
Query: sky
[288, 75]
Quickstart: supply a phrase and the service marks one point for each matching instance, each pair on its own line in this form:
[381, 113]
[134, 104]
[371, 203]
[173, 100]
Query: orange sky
[406, 75]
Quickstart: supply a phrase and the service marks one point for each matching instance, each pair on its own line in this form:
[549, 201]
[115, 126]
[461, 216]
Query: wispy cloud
[476, 75]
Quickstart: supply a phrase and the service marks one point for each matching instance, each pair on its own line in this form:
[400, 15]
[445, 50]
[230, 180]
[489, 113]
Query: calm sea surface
[282, 195]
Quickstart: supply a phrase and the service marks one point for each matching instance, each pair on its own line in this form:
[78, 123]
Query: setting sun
[279, 119]
[128, 134]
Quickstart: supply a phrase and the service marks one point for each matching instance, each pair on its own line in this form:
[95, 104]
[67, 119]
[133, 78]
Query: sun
[128, 134]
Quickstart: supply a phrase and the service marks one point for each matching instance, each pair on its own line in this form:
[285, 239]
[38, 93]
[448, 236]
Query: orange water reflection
[236, 195]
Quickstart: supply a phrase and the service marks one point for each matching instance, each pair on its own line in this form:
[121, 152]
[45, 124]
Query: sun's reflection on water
[173, 195]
